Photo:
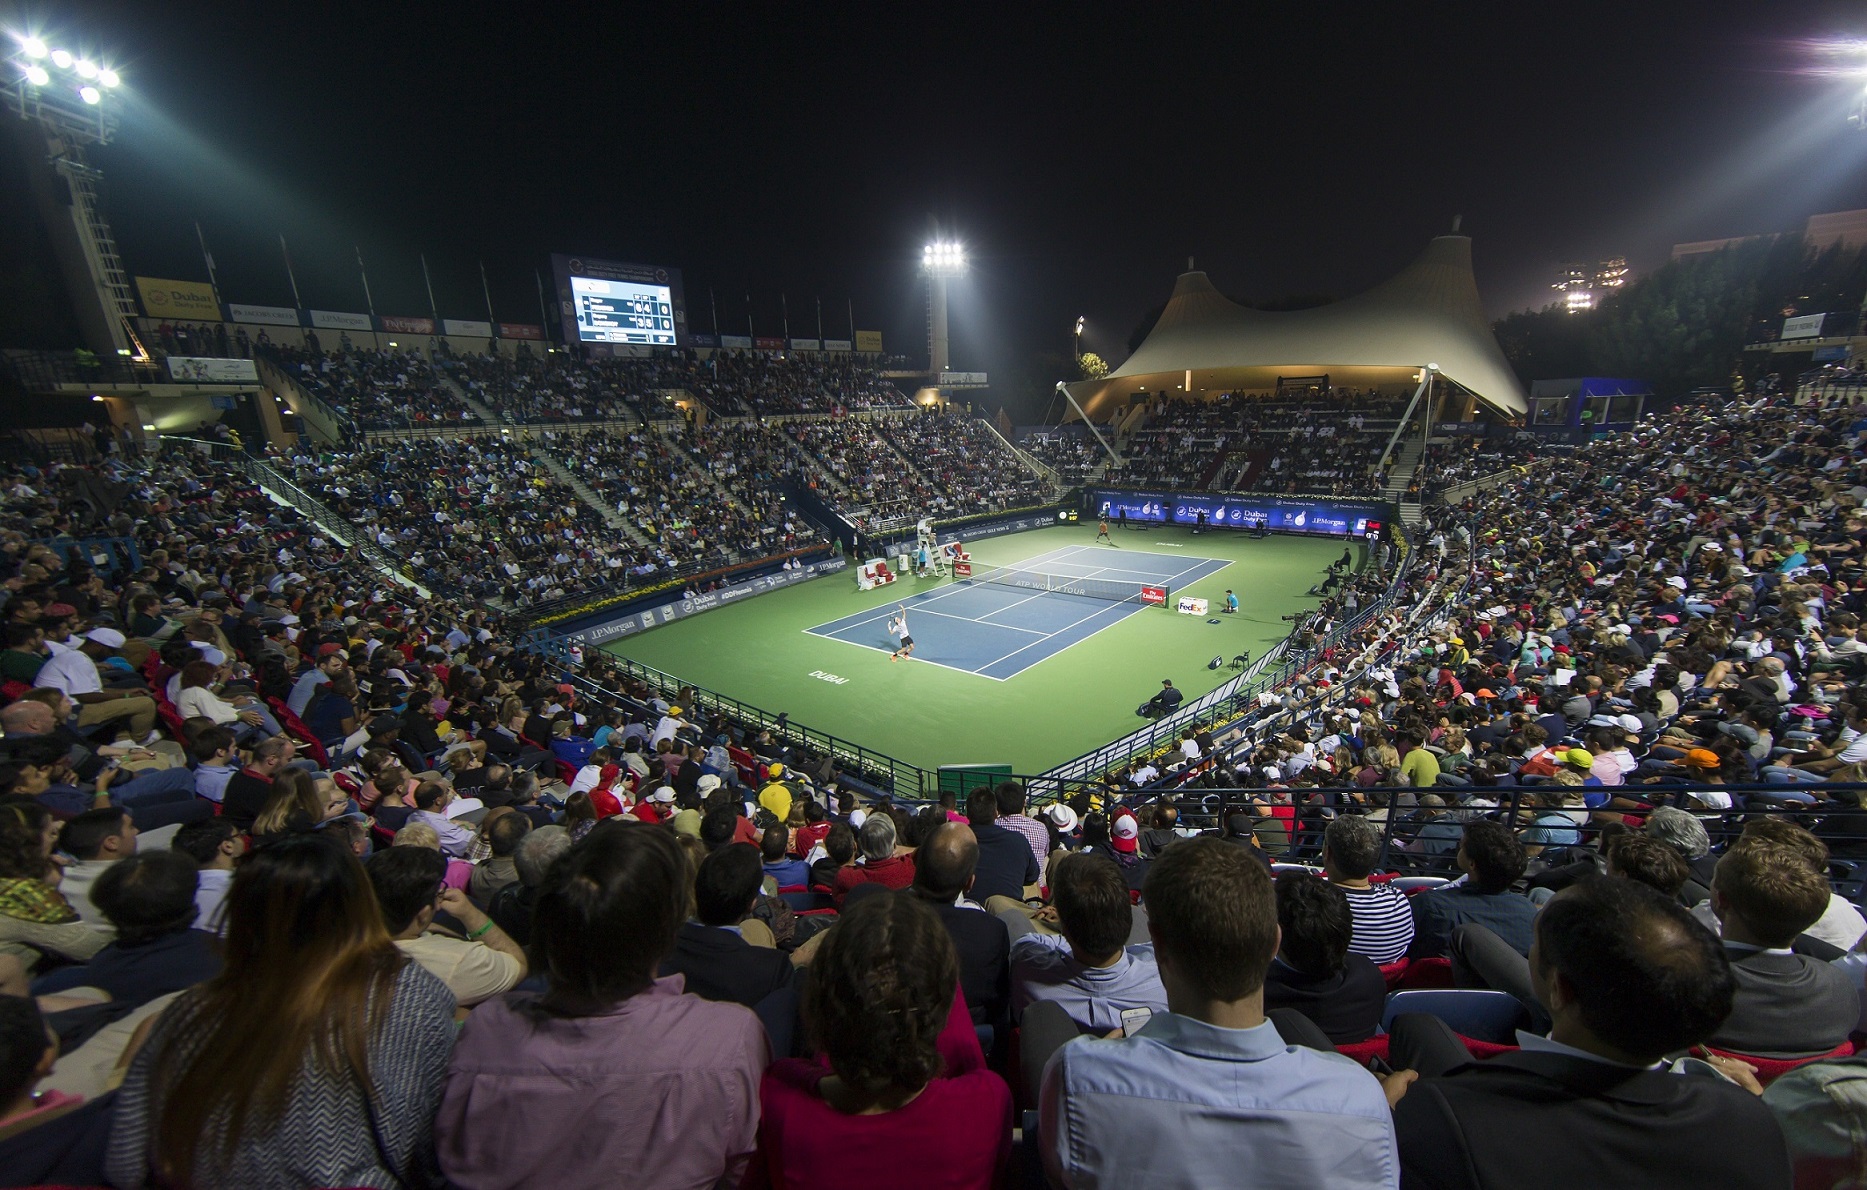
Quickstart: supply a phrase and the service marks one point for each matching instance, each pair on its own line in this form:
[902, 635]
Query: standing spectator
[251, 1080]
[606, 1041]
[1207, 1093]
[894, 1096]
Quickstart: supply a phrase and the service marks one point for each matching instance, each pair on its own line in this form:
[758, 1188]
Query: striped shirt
[1383, 923]
[1034, 833]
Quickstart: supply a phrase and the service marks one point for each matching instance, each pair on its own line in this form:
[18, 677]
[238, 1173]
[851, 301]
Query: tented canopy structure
[1428, 314]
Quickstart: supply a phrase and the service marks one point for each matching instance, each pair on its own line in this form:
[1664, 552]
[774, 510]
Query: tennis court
[1006, 620]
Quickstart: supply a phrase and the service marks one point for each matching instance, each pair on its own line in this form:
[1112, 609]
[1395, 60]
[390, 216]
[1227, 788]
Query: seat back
[1480, 1014]
[1771, 1069]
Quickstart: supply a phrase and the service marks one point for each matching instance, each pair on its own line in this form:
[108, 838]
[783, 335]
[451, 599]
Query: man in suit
[1788, 1005]
[1006, 863]
[718, 963]
[1628, 977]
[943, 874]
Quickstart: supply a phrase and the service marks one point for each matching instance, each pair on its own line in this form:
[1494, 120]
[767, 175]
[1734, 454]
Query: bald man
[943, 874]
[44, 713]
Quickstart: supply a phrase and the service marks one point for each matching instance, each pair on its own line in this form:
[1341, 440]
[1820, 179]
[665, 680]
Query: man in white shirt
[214, 844]
[409, 886]
[74, 673]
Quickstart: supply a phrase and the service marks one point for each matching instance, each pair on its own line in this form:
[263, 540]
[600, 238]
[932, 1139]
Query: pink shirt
[662, 1090]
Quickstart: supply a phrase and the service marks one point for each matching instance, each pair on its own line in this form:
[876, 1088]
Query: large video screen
[623, 312]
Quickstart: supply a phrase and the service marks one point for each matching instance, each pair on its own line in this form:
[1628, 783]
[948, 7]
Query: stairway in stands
[479, 408]
[1400, 478]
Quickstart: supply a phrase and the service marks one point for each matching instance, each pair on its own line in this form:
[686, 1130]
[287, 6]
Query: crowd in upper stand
[1072, 454]
[374, 390]
[1446, 464]
[741, 383]
[580, 906]
[1312, 442]
[971, 468]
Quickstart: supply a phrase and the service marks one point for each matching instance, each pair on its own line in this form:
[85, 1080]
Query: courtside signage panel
[1282, 515]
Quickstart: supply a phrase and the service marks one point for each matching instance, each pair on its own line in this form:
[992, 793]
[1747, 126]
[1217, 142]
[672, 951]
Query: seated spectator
[1007, 864]
[1628, 978]
[788, 872]
[247, 791]
[1314, 975]
[883, 861]
[512, 905]
[839, 852]
[1207, 1093]
[95, 840]
[297, 803]
[38, 767]
[36, 921]
[503, 829]
[149, 901]
[215, 762]
[1787, 1005]
[709, 951]
[28, 1049]
[215, 845]
[943, 873]
[607, 1040]
[1383, 921]
[477, 966]
[1088, 969]
[880, 995]
[1492, 860]
[344, 1087]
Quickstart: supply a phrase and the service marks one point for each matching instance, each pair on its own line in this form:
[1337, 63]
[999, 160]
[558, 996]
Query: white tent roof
[1428, 314]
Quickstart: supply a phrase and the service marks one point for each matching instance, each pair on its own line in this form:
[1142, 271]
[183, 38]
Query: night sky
[1081, 152]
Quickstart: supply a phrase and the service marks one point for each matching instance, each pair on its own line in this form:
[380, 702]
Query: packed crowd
[1072, 454]
[374, 390]
[1293, 443]
[475, 515]
[559, 387]
[741, 383]
[1631, 734]
[1447, 464]
[966, 461]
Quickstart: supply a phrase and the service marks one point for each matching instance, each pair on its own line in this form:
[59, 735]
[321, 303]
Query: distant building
[1846, 228]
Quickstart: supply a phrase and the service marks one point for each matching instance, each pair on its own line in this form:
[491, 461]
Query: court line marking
[1067, 627]
[1090, 635]
[973, 673]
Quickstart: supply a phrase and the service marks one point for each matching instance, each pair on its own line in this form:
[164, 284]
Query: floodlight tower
[940, 260]
[75, 102]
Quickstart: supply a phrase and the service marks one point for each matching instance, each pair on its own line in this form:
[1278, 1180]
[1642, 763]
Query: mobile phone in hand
[1133, 1018]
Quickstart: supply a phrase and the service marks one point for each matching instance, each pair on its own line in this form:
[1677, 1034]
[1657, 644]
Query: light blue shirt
[1043, 968]
[1187, 1104]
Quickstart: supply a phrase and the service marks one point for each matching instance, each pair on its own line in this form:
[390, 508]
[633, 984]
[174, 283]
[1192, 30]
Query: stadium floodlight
[86, 68]
[34, 47]
[90, 95]
[109, 77]
[62, 59]
[944, 258]
[37, 75]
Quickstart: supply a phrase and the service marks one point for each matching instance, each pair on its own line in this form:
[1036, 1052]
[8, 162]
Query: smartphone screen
[1133, 1018]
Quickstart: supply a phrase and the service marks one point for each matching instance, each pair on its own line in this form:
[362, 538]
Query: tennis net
[1109, 590]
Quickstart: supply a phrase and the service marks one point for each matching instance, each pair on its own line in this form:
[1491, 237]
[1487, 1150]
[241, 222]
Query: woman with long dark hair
[315, 1058]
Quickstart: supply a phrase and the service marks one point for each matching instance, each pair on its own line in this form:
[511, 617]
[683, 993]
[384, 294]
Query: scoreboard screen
[623, 312]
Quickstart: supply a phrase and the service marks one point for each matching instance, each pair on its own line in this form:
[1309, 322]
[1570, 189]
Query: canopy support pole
[1426, 378]
[1065, 390]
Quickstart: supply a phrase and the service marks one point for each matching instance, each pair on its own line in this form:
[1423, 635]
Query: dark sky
[1080, 151]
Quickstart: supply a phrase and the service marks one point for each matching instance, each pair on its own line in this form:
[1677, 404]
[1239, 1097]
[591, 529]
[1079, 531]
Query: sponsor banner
[468, 330]
[743, 342]
[1189, 607]
[1338, 517]
[334, 321]
[767, 344]
[1459, 429]
[262, 315]
[701, 340]
[213, 371]
[838, 345]
[394, 325]
[1808, 326]
[680, 609]
[869, 341]
[807, 345]
[163, 298]
[962, 378]
[1154, 595]
[521, 330]
[1825, 355]
[994, 528]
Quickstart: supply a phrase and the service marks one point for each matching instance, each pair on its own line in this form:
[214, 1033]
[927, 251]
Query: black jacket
[1006, 864]
[1529, 1120]
[984, 946]
[720, 965]
[1347, 1005]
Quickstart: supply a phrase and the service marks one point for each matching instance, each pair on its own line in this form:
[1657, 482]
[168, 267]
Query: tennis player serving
[899, 627]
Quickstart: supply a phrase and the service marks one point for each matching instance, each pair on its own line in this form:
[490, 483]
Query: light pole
[940, 260]
[75, 102]
[1077, 355]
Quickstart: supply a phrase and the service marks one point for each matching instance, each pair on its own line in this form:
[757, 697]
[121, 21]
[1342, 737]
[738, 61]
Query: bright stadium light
[90, 95]
[34, 47]
[944, 258]
[61, 59]
[37, 76]
[109, 77]
[86, 68]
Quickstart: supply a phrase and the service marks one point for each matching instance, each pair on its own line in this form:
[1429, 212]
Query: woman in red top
[894, 1101]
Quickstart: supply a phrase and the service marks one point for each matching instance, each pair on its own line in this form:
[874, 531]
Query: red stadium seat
[1771, 1069]
[1427, 973]
[1393, 972]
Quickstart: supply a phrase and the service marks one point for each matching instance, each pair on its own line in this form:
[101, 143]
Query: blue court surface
[999, 632]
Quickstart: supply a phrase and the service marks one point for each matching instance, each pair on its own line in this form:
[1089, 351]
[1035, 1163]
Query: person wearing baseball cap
[74, 673]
